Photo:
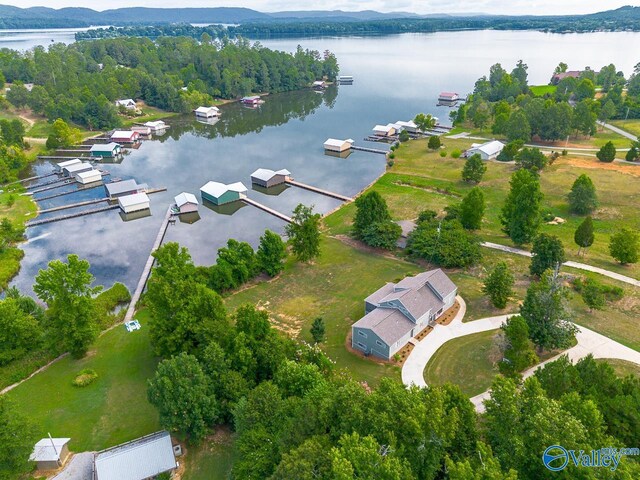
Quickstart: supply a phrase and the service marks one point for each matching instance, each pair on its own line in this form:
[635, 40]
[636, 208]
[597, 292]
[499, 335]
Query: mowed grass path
[334, 288]
[112, 410]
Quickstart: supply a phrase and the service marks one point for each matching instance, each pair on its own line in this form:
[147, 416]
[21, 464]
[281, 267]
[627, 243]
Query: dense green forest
[153, 31]
[80, 82]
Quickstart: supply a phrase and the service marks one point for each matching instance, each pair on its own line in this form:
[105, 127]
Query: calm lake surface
[396, 77]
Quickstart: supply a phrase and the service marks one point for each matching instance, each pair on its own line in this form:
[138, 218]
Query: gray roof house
[398, 311]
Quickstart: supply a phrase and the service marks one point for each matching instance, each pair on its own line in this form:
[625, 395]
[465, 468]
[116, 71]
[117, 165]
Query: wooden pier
[147, 268]
[68, 157]
[370, 150]
[73, 205]
[50, 182]
[56, 195]
[62, 183]
[42, 221]
[29, 179]
[271, 211]
[311, 188]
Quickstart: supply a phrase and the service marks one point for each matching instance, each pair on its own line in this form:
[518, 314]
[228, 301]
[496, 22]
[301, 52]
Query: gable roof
[116, 188]
[87, 173]
[133, 199]
[387, 323]
[217, 189]
[267, 174]
[185, 198]
[68, 163]
[383, 128]
[48, 449]
[334, 142]
[124, 134]
[104, 147]
[490, 148]
[143, 458]
[78, 167]
[206, 109]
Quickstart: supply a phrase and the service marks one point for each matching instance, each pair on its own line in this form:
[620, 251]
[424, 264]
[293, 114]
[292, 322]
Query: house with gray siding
[399, 311]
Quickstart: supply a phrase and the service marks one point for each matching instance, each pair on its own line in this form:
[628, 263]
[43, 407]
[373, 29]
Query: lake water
[396, 77]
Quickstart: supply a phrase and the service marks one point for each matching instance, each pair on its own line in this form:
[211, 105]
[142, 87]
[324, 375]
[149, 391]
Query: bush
[456, 153]
[85, 377]
[443, 153]
[391, 163]
[434, 142]
[564, 153]
[392, 155]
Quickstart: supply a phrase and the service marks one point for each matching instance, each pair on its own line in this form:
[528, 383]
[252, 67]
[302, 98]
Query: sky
[507, 7]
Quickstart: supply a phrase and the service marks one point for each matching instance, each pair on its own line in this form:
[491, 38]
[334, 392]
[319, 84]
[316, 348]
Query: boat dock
[147, 268]
[68, 157]
[264, 208]
[33, 223]
[311, 188]
[29, 179]
[73, 205]
[370, 150]
[56, 195]
[50, 182]
[58, 184]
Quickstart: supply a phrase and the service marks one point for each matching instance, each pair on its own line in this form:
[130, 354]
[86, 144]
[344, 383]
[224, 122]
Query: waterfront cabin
[387, 130]
[220, 194]
[105, 150]
[263, 177]
[142, 130]
[71, 170]
[252, 100]
[90, 176]
[186, 203]
[448, 97]
[335, 145]
[60, 166]
[409, 126]
[50, 453]
[125, 136]
[127, 103]
[319, 85]
[156, 126]
[487, 151]
[122, 188]
[207, 112]
[134, 203]
[141, 459]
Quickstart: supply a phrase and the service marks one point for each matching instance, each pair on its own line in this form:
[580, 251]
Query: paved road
[580, 266]
[619, 131]
[80, 467]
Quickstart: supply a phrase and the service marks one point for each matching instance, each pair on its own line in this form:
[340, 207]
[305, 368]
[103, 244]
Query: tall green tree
[271, 254]
[71, 316]
[18, 436]
[472, 209]
[498, 285]
[517, 349]
[304, 233]
[545, 310]
[444, 243]
[434, 142]
[547, 253]
[584, 236]
[583, 198]
[371, 208]
[520, 214]
[532, 159]
[183, 396]
[474, 169]
[584, 118]
[624, 246]
[19, 331]
[517, 127]
[607, 152]
[318, 330]
[424, 122]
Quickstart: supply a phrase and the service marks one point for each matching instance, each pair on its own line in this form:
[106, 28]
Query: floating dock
[147, 268]
[56, 195]
[59, 184]
[311, 188]
[29, 179]
[264, 208]
[73, 205]
[370, 150]
[33, 223]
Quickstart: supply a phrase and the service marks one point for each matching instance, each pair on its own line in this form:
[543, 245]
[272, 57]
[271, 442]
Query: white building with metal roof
[134, 203]
[123, 187]
[50, 453]
[141, 459]
[335, 145]
[207, 112]
[186, 202]
[487, 151]
[387, 130]
[67, 163]
[266, 178]
[71, 170]
[219, 193]
[90, 176]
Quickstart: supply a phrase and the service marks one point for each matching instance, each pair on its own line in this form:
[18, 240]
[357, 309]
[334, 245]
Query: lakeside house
[90, 176]
[319, 85]
[387, 130]
[60, 166]
[487, 151]
[50, 453]
[134, 202]
[207, 112]
[409, 126]
[253, 100]
[558, 77]
[220, 194]
[335, 145]
[124, 136]
[140, 459]
[399, 311]
[156, 126]
[266, 178]
[124, 187]
[128, 103]
[71, 170]
[448, 97]
[186, 203]
[105, 150]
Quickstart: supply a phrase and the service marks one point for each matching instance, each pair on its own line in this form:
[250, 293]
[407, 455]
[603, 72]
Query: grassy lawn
[542, 90]
[622, 367]
[111, 410]
[149, 114]
[466, 361]
[212, 460]
[631, 126]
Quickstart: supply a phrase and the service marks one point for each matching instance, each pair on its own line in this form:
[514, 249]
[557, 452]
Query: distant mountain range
[43, 17]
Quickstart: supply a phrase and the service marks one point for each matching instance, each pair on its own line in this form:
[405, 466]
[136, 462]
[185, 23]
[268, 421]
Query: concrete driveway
[80, 467]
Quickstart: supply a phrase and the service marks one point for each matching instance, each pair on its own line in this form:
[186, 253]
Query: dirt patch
[594, 164]
[607, 213]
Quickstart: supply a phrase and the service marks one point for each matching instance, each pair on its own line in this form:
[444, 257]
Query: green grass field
[631, 126]
[211, 460]
[542, 90]
[111, 410]
[622, 367]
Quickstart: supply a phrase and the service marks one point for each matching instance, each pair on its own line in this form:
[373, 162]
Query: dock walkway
[147, 268]
[42, 221]
[73, 205]
[370, 150]
[311, 188]
[60, 184]
[29, 179]
[271, 211]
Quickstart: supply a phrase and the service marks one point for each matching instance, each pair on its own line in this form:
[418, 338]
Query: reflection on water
[395, 78]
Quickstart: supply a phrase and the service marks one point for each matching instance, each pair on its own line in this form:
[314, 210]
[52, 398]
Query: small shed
[252, 100]
[335, 145]
[128, 103]
[141, 459]
[156, 126]
[105, 150]
[387, 130]
[487, 151]
[125, 136]
[266, 178]
[219, 193]
[134, 202]
[90, 176]
[71, 170]
[448, 97]
[207, 112]
[186, 203]
[124, 187]
[50, 453]
[60, 166]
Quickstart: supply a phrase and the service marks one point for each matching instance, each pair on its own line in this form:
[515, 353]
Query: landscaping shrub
[85, 377]
[391, 163]
[456, 153]
[392, 155]
[443, 153]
